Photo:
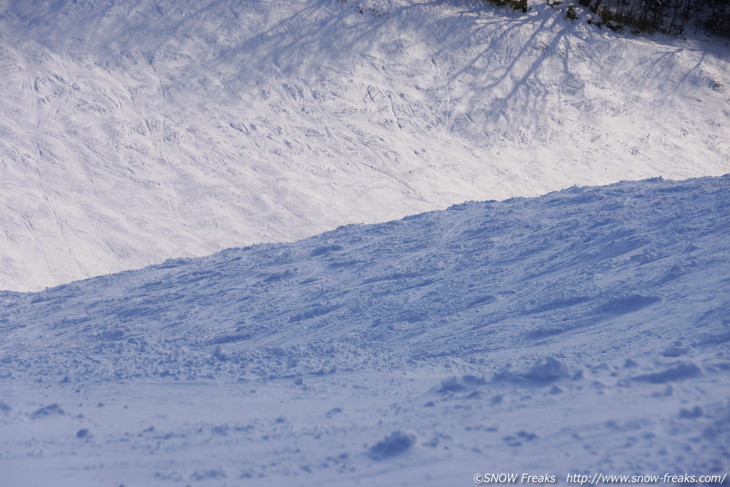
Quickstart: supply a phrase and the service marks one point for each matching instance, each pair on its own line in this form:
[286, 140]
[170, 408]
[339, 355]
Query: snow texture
[586, 330]
[135, 131]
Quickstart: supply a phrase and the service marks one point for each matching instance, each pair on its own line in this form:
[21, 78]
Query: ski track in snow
[586, 331]
[135, 131]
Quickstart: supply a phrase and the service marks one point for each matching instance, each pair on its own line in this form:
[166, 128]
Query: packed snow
[135, 131]
[584, 332]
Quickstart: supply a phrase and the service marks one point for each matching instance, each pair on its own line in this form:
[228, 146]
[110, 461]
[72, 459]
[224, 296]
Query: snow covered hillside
[135, 131]
[585, 331]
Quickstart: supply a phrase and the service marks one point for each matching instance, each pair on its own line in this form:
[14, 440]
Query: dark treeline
[671, 16]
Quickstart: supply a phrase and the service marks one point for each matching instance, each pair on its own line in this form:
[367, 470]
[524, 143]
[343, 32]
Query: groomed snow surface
[585, 331]
[135, 131]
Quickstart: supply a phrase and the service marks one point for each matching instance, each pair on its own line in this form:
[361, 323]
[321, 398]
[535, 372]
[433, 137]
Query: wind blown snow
[135, 131]
[582, 331]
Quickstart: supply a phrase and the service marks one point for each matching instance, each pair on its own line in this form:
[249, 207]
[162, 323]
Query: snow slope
[585, 331]
[135, 131]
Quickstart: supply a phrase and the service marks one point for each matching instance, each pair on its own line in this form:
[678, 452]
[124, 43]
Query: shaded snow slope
[131, 132]
[583, 331]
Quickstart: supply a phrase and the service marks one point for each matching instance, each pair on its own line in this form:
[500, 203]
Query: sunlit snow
[136, 131]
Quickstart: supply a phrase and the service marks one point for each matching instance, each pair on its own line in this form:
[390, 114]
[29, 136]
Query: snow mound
[48, 411]
[547, 369]
[393, 445]
[678, 372]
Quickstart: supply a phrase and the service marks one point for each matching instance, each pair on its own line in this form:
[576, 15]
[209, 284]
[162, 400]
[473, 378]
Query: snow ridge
[590, 322]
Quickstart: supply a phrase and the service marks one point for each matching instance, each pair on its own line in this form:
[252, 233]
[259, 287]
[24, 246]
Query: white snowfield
[135, 131]
[585, 331]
